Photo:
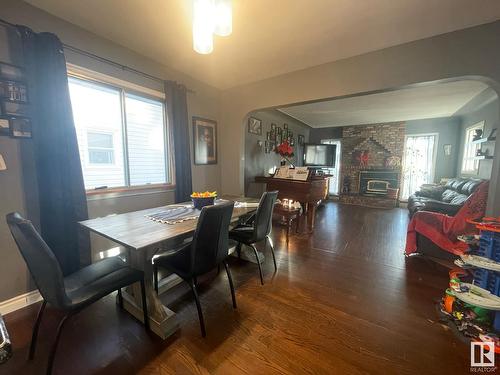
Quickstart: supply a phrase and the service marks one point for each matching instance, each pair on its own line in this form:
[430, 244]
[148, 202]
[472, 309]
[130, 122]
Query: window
[121, 135]
[419, 161]
[470, 165]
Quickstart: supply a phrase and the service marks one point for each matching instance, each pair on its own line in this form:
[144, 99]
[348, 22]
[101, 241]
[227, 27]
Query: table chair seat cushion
[99, 279]
[242, 233]
[177, 260]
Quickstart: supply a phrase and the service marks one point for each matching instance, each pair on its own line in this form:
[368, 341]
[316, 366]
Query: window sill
[128, 191]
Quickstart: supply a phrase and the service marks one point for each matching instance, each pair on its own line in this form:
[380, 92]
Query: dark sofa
[446, 199]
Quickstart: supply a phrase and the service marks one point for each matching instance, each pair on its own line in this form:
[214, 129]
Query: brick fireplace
[371, 164]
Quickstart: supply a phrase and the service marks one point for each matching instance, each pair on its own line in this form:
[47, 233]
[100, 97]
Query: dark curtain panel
[178, 120]
[61, 191]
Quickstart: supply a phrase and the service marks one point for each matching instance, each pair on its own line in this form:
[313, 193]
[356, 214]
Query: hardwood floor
[344, 301]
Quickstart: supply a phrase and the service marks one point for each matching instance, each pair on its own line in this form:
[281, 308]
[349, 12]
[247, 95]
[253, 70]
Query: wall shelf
[482, 140]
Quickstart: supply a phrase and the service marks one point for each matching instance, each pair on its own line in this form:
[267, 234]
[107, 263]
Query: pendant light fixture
[223, 13]
[210, 17]
[203, 26]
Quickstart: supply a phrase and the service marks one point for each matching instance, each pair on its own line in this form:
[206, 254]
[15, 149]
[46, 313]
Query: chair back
[263, 217]
[211, 238]
[41, 261]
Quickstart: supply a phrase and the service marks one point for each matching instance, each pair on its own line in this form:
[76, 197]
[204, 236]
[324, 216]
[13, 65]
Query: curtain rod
[105, 60]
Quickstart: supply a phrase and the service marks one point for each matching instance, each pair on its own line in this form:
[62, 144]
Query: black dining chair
[257, 228]
[74, 292]
[208, 249]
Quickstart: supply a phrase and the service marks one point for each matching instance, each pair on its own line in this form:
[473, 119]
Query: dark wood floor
[344, 301]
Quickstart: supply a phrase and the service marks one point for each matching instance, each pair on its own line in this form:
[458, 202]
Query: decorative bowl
[200, 202]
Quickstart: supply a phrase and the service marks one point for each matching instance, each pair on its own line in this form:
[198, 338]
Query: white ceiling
[270, 37]
[430, 101]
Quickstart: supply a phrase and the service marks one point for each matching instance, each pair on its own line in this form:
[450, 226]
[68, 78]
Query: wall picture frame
[20, 127]
[11, 72]
[447, 150]
[204, 141]
[13, 108]
[4, 127]
[13, 91]
[267, 148]
[254, 126]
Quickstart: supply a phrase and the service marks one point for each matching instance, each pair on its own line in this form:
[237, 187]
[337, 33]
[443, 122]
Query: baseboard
[19, 302]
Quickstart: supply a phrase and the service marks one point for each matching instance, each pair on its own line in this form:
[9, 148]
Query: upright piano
[309, 193]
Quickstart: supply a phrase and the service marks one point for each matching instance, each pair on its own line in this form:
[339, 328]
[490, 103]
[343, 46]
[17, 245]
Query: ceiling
[430, 101]
[269, 37]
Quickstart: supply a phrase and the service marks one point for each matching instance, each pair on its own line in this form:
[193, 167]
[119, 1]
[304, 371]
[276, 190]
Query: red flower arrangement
[284, 149]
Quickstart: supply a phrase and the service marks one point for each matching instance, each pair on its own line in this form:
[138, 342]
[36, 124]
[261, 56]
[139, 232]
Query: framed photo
[279, 131]
[15, 108]
[285, 126]
[267, 147]
[279, 139]
[300, 139]
[273, 127]
[447, 150]
[4, 127]
[13, 91]
[20, 127]
[205, 141]
[254, 126]
[11, 72]
[272, 135]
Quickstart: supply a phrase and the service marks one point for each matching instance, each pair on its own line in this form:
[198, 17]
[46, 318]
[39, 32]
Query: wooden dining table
[142, 238]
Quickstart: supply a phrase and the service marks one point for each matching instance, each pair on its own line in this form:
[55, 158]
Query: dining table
[142, 237]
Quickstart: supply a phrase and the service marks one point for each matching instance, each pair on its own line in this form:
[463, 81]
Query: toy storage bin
[489, 245]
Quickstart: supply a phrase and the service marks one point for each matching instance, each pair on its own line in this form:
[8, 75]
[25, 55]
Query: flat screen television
[319, 155]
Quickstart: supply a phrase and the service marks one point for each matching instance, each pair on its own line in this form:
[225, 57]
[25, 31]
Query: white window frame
[125, 87]
[474, 147]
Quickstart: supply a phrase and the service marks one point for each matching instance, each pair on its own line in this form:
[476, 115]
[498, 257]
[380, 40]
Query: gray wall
[257, 162]
[484, 107]
[448, 130]
[15, 183]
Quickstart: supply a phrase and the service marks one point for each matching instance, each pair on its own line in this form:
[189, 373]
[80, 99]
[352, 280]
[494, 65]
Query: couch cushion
[433, 192]
[456, 183]
[470, 186]
[448, 195]
[459, 199]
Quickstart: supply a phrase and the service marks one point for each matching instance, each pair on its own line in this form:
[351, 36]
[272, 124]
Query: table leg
[311, 216]
[302, 219]
[288, 227]
[161, 319]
